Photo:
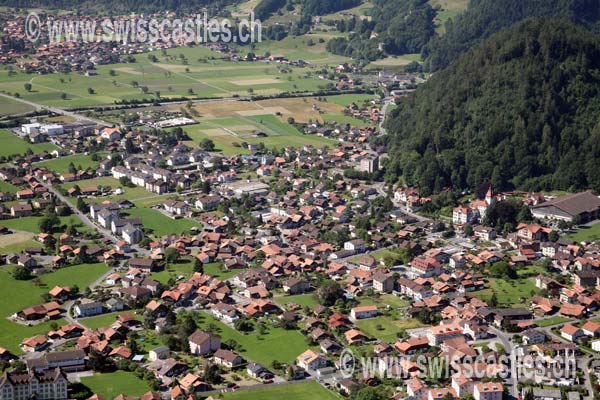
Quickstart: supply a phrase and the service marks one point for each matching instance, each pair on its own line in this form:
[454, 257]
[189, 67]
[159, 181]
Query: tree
[27, 86]
[212, 374]
[48, 222]
[63, 96]
[82, 206]
[207, 145]
[171, 255]
[91, 91]
[96, 361]
[21, 273]
[328, 292]
[494, 300]
[198, 266]
[468, 230]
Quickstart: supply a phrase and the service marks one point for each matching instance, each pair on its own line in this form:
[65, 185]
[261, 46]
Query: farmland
[61, 165]
[193, 72]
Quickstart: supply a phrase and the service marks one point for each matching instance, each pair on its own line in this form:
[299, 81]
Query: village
[303, 248]
[170, 229]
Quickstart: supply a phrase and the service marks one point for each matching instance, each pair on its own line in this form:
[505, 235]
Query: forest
[522, 109]
[486, 17]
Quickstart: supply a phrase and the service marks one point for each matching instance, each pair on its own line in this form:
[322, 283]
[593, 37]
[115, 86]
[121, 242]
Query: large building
[585, 206]
[50, 384]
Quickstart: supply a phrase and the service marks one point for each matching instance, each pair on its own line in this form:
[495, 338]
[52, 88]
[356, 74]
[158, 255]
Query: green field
[304, 300]
[159, 223]
[279, 134]
[551, 321]
[186, 269]
[300, 391]
[172, 75]
[115, 383]
[61, 165]
[278, 344]
[586, 235]
[103, 320]
[12, 107]
[386, 328]
[509, 293]
[17, 295]
[31, 224]
[130, 193]
[11, 145]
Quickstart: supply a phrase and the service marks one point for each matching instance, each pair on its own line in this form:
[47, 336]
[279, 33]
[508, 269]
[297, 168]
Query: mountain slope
[486, 17]
[522, 109]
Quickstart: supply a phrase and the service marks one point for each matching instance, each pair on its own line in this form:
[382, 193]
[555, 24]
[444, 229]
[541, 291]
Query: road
[56, 110]
[510, 349]
[386, 104]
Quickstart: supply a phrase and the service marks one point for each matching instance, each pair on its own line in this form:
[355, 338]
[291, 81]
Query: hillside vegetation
[486, 17]
[522, 109]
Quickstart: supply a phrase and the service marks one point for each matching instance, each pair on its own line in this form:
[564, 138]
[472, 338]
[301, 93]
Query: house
[88, 309]
[363, 312]
[21, 210]
[296, 286]
[532, 336]
[311, 361]
[462, 215]
[356, 245]
[383, 282]
[202, 343]
[227, 358]
[143, 264]
[417, 389]
[158, 353]
[176, 207]
[35, 343]
[257, 371]
[571, 332]
[591, 328]
[488, 391]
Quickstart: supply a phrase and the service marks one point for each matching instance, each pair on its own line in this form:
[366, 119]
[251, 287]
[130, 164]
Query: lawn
[514, 292]
[104, 320]
[12, 145]
[278, 344]
[61, 165]
[31, 224]
[386, 328]
[587, 234]
[304, 300]
[300, 391]
[160, 224]
[115, 383]
[551, 321]
[17, 295]
[215, 270]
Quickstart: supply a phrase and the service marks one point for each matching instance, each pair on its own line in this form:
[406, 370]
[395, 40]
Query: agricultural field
[192, 72]
[112, 384]
[13, 107]
[17, 242]
[300, 391]
[17, 295]
[11, 145]
[447, 9]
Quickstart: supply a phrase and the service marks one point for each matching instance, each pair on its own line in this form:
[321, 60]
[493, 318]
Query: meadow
[277, 344]
[13, 145]
[112, 384]
[61, 165]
